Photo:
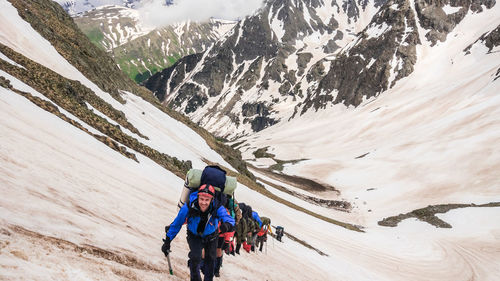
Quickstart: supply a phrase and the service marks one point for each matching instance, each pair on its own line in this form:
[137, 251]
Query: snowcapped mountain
[265, 60]
[141, 50]
[111, 26]
[296, 56]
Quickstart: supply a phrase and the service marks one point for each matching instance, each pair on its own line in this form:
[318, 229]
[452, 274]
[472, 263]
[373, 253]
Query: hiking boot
[217, 274]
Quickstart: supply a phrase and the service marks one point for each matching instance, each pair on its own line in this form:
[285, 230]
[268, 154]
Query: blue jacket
[192, 221]
[256, 217]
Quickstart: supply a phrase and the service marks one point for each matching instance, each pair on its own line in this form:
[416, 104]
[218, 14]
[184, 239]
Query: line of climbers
[214, 220]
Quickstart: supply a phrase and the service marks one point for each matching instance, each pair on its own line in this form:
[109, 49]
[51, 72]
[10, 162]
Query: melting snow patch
[450, 10]
[408, 31]
[372, 61]
[377, 30]
[396, 65]
[121, 37]
[240, 31]
[291, 61]
[277, 26]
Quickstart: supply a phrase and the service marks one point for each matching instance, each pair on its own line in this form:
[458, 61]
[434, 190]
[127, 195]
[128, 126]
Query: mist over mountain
[145, 37]
[160, 13]
[75, 7]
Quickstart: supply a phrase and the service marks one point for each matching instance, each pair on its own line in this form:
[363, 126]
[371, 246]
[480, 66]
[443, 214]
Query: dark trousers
[218, 262]
[260, 241]
[196, 244]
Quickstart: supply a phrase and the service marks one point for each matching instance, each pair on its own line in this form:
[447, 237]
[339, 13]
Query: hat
[206, 190]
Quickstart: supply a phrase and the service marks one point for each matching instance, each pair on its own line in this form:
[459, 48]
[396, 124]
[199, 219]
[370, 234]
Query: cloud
[156, 13]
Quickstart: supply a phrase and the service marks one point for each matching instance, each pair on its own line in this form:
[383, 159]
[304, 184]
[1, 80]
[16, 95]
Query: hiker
[241, 228]
[203, 217]
[258, 225]
[213, 175]
[225, 237]
[262, 235]
[237, 217]
[247, 213]
[279, 232]
[241, 232]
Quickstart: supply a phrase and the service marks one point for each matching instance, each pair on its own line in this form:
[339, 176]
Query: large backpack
[213, 175]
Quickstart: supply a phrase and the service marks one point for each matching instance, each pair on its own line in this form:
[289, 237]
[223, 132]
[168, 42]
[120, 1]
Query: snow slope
[62, 188]
[184, 144]
[432, 139]
[73, 209]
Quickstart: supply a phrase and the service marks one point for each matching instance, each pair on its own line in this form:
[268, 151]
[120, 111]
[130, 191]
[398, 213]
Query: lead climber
[202, 220]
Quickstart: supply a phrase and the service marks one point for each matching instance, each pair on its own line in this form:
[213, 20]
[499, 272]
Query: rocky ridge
[294, 56]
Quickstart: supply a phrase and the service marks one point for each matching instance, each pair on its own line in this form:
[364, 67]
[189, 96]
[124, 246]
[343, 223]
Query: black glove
[225, 246]
[166, 246]
[225, 227]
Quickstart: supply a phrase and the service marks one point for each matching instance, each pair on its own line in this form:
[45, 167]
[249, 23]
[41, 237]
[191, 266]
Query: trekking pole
[168, 254]
[169, 264]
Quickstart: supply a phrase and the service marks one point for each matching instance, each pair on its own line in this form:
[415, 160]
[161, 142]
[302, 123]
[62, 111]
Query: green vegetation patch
[173, 59]
[96, 36]
[262, 153]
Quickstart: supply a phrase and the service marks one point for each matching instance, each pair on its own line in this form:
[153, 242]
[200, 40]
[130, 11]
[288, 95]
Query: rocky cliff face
[440, 17]
[383, 53]
[295, 56]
